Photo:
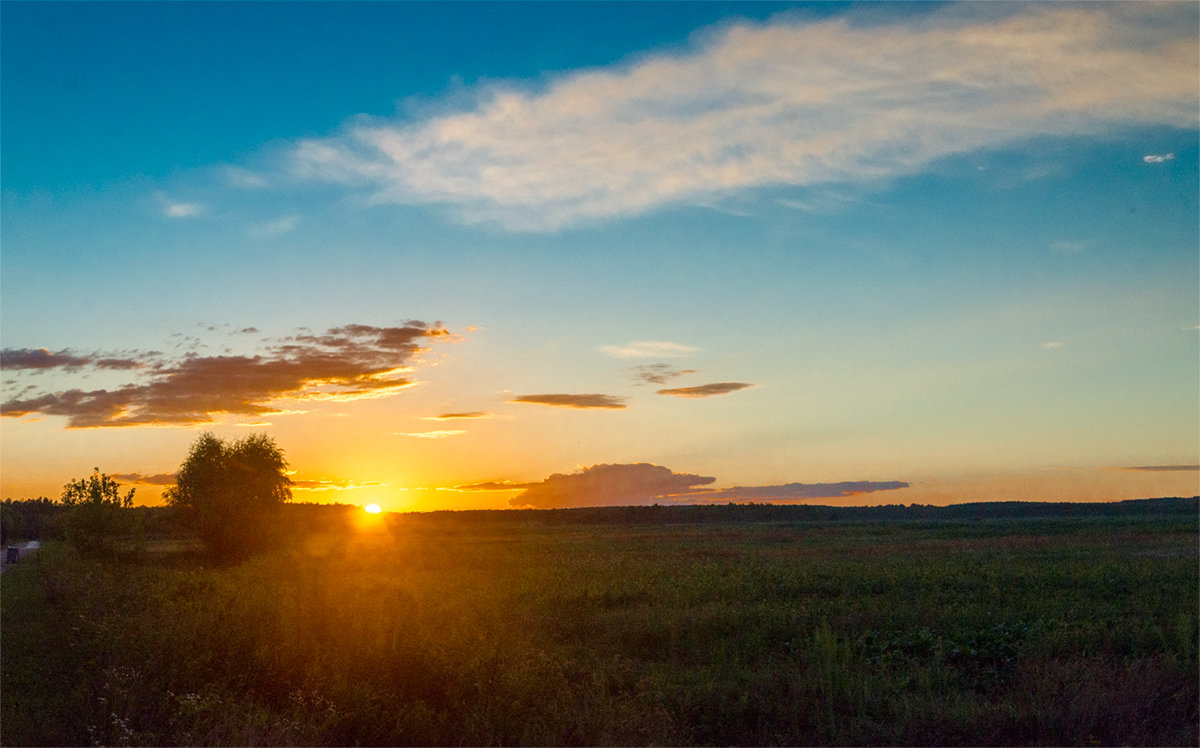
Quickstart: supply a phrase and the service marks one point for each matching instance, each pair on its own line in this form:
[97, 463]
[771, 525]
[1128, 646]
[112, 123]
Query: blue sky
[781, 246]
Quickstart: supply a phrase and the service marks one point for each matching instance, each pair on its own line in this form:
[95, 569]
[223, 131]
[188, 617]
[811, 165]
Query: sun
[372, 509]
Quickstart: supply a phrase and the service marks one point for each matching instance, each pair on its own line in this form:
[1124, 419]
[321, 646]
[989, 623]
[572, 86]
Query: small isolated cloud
[658, 373]
[277, 227]
[1161, 468]
[1158, 159]
[141, 479]
[244, 178]
[459, 416]
[608, 485]
[345, 363]
[649, 349]
[176, 209]
[573, 401]
[1053, 345]
[432, 434]
[706, 390]
[789, 492]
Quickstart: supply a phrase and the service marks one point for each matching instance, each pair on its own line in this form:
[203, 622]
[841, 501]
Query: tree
[231, 492]
[97, 513]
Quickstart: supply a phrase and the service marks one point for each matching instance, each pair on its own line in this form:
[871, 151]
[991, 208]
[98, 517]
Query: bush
[97, 514]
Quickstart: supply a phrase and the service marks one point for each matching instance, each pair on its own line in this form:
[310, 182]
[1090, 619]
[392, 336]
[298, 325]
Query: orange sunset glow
[595, 278]
[585, 373]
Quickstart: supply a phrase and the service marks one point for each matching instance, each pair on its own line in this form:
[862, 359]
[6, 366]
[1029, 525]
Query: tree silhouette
[230, 493]
[96, 512]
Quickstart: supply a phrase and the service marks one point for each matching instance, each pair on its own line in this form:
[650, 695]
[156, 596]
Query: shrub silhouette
[97, 513]
[230, 493]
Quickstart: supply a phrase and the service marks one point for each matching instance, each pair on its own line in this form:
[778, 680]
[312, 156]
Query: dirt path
[24, 551]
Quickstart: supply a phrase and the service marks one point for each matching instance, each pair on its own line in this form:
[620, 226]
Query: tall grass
[460, 632]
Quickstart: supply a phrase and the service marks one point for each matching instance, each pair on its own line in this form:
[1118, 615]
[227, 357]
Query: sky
[492, 255]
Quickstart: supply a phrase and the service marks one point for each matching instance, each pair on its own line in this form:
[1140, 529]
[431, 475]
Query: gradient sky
[459, 255]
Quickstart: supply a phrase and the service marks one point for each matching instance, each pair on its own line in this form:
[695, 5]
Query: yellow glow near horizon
[372, 509]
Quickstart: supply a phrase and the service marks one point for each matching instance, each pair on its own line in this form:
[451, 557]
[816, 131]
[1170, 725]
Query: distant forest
[40, 519]
[753, 513]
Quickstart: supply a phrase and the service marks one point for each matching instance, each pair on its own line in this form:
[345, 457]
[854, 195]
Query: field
[526, 629]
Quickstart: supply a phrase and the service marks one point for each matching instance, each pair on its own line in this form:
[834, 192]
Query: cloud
[459, 416]
[649, 349]
[244, 178]
[432, 434]
[860, 97]
[573, 401]
[175, 209]
[1152, 159]
[140, 479]
[1053, 345]
[345, 363]
[333, 485]
[607, 485]
[493, 486]
[658, 373]
[40, 358]
[706, 390]
[277, 227]
[644, 483]
[1161, 468]
[797, 491]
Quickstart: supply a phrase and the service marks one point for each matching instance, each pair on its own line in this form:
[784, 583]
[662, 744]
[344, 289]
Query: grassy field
[436, 630]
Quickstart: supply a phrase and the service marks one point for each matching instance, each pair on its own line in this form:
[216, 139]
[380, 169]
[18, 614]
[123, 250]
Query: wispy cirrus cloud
[791, 102]
[1158, 158]
[333, 485]
[649, 349]
[492, 486]
[459, 416]
[610, 402]
[1160, 468]
[442, 434]
[344, 363]
[706, 390]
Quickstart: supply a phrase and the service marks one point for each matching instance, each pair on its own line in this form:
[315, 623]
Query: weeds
[1068, 632]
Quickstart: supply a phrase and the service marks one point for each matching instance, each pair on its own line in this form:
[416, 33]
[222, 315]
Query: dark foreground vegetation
[981, 624]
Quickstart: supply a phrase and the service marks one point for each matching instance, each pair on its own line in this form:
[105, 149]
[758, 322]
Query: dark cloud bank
[350, 362]
[643, 483]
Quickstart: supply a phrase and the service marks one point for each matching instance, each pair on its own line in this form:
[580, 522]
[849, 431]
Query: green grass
[464, 631]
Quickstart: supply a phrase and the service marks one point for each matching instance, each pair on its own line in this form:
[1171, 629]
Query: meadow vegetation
[617, 627]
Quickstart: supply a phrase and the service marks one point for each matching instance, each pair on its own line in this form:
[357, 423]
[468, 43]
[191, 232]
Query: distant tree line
[44, 519]
[752, 513]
